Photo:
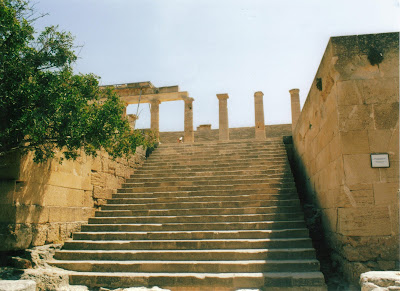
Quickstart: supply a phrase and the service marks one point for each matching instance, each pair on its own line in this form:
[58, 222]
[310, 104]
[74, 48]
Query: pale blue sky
[214, 46]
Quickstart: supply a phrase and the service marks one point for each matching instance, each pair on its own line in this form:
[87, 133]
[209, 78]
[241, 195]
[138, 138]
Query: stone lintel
[148, 98]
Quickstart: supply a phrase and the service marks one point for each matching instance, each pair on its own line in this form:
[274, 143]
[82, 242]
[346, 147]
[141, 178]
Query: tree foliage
[44, 106]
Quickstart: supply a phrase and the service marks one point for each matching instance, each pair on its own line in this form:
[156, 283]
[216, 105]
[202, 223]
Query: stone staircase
[211, 216]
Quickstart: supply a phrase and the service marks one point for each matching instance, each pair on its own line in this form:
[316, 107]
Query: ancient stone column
[155, 117]
[125, 108]
[132, 120]
[295, 101]
[223, 116]
[259, 115]
[189, 133]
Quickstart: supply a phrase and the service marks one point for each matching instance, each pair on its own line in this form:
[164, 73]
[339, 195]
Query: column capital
[258, 94]
[188, 99]
[222, 96]
[155, 101]
[294, 91]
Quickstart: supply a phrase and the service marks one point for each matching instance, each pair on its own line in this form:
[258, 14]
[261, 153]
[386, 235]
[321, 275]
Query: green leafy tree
[44, 106]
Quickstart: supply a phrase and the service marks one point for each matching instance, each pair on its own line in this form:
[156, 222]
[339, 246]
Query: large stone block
[7, 188]
[7, 213]
[15, 236]
[329, 219]
[390, 174]
[382, 90]
[386, 193]
[384, 141]
[69, 180]
[17, 285]
[39, 234]
[53, 233]
[357, 169]
[31, 214]
[386, 115]
[365, 221]
[355, 198]
[355, 117]
[335, 148]
[355, 142]
[61, 196]
[349, 92]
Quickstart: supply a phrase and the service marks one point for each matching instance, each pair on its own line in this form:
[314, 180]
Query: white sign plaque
[380, 160]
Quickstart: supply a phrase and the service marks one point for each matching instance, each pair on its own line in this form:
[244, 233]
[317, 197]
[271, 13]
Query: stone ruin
[344, 154]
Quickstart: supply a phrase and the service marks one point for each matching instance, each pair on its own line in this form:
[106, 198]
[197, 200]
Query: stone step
[219, 146]
[219, 173]
[182, 255]
[223, 165]
[304, 281]
[176, 178]
[119, 210]
[189, 171]
[214, 226]
[121, 198]
[160, 152]
[284, 193]
[183, 159]
[202, 182]
[228, 234]
[131, 204]
[188, 244]
[197, 218]
[248, 266]
[283, 187]
[277, 159]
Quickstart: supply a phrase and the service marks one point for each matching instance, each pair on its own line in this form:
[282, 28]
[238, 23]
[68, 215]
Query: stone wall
[45, 203]
[352, 110]
[206, 134]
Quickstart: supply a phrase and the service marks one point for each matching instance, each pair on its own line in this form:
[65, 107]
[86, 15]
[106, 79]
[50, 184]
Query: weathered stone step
[124, 211]
[214, 226]
[202, 182]
[276, 164]
[176, 178]
[197, 218]
[219, 160]
[219, 149]
[180, 160]
[220, 234]
[284, 187]
[221, 204]
[206, 197]
[182, 255]
[304, 281]
[226, 195]
[248, 266]
[226, 172]
[188, 244]
[188, 171]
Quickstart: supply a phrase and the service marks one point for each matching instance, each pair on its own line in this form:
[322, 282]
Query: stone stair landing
[210, 216]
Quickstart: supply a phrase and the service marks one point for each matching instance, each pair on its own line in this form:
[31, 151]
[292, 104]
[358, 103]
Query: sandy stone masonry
[41, 204]
[351, 112]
